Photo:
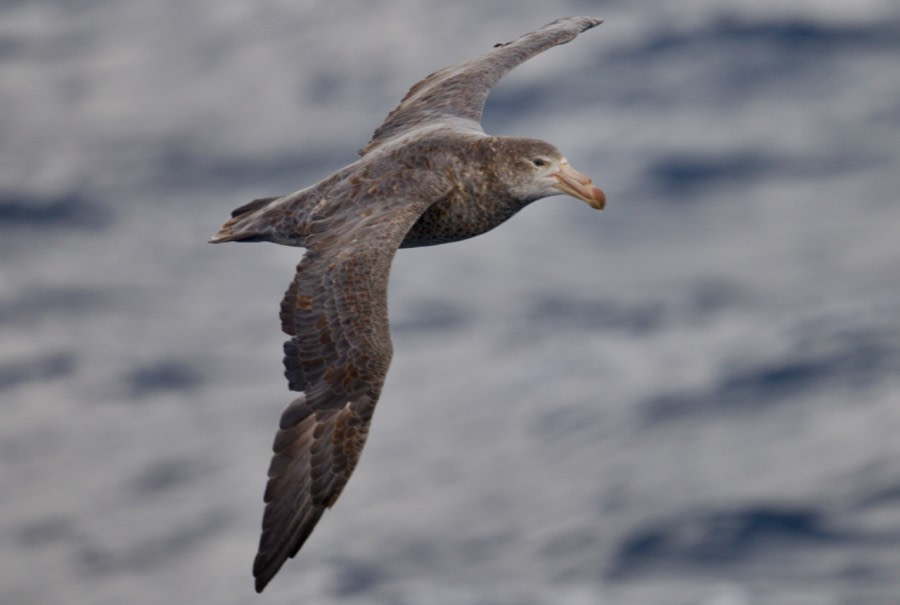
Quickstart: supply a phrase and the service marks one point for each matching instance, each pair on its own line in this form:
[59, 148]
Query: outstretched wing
[457, 94]
[336, 314]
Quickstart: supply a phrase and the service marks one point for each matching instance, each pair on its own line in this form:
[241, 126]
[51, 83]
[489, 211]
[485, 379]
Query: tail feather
[230, 231]
[254, 205]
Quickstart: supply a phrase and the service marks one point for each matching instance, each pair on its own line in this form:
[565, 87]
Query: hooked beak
[578, 185]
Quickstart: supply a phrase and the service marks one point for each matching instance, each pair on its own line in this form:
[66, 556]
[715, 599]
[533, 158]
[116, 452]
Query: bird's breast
[457, 217]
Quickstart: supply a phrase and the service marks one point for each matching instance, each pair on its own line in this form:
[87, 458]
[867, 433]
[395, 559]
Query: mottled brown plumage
[429, 175]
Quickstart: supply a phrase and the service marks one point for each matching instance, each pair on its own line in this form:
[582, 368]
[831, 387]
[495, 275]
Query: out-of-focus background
[693, 397]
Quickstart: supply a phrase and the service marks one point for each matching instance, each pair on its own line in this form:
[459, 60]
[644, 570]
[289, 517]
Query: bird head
[537, 169]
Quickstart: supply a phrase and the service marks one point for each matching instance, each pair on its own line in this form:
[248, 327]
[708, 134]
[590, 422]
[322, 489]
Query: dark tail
[254, 206]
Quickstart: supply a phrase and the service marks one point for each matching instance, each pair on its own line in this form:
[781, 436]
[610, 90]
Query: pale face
[551, 174]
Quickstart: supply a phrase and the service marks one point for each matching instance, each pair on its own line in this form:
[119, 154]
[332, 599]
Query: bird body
[429, 175]
[469, 180]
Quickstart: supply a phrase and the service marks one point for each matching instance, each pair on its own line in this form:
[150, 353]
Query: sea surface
[691, 398]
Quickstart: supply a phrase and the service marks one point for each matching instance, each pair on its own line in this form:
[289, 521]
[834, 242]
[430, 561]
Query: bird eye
[539, 162]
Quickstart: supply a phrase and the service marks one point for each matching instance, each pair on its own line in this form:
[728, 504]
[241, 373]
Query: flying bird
[429, 175]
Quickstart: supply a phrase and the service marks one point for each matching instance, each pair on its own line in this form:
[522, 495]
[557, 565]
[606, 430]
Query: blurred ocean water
[691, 398]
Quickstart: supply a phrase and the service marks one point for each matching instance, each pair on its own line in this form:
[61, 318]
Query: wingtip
[588, 22]
[263, 572]
[575, 25]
